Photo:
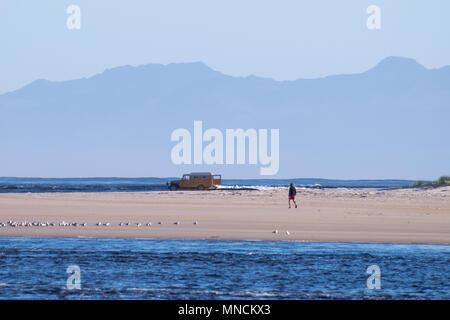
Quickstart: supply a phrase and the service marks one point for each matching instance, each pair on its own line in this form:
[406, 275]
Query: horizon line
[116, 177]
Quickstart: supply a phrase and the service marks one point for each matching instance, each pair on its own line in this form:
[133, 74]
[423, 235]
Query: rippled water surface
[35, 268]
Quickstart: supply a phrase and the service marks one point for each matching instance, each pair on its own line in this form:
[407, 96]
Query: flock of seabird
[71, 224]
[76, 224]
[40, 224]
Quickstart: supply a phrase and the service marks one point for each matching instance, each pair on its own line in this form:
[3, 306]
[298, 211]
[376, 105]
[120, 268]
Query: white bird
[149, 224]
[287, 233]
[176, 222]
[83, 224]
[195, 222]
[160, 222]
[275, 231]
[120, 224]
[99, 224]
[138, 224]
[106, 224]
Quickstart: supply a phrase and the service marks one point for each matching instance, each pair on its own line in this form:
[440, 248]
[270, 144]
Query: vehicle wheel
[200, 187]
[173, 187]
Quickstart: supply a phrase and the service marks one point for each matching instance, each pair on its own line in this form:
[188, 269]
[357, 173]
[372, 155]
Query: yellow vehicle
[196, 180]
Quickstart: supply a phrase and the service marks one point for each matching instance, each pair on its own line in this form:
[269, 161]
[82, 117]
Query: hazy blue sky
[278, 39]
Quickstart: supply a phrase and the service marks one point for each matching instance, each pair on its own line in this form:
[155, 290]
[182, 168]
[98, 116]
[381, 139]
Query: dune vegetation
[441, 182]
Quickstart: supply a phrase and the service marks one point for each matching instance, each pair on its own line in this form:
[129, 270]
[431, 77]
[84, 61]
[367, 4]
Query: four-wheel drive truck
[196, 180]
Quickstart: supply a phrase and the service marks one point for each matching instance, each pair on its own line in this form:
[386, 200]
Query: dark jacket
[292, 191]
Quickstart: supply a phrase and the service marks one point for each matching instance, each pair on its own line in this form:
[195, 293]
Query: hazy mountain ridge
[374, 121]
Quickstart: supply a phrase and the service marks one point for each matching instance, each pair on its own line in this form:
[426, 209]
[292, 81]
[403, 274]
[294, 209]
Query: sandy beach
[341, 214]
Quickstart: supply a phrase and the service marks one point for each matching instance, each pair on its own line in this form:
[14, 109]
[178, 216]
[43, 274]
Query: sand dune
[341, 214]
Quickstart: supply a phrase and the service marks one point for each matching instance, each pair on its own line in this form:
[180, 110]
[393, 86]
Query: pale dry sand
[342, 214]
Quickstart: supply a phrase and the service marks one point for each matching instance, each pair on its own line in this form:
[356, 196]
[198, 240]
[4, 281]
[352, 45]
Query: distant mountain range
[391, 121]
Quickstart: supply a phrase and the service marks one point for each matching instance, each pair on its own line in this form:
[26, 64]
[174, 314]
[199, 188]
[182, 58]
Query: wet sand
[341, 214]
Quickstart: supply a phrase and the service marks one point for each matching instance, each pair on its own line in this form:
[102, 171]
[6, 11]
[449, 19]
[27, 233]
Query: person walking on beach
[292, 193]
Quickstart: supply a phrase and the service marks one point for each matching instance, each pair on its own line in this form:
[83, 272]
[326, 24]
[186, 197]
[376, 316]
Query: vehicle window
[205, 177]
[195, 177]
[186, 178]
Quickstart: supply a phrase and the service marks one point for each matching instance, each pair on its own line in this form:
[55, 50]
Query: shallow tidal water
[36, 268]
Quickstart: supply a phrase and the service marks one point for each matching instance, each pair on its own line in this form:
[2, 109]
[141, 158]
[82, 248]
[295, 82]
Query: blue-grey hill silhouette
[391, 121]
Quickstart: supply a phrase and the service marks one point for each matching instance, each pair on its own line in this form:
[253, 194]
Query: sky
[283, 39]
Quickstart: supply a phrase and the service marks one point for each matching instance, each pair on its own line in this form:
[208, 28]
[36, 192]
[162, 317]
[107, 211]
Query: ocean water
[35, 268]
[14, 185]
